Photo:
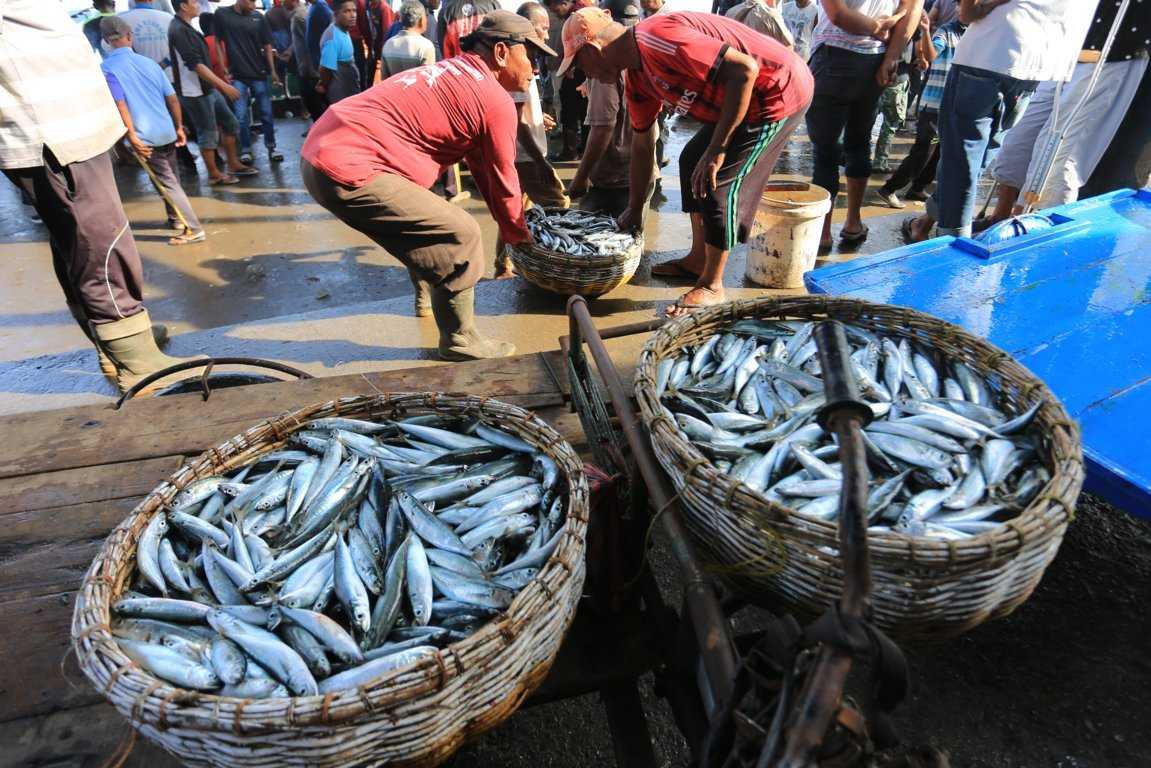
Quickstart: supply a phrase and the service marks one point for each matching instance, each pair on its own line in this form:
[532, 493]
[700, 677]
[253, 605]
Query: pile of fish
[576, 233]
[946, 462]
[360, 548]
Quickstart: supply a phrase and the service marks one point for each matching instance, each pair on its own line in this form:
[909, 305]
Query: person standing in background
[1085, 140]
[1009, 48]
[799, 15]
[150, 32]
[251, 61]
[408, 49]
[918, 168]
[203, 97]
[893, 102]
[339, 75]
[539, 182]
[63, 165]
[150, 110]
[538, 179]
[651, 7]
[319, 19]
[602, 181]
[856, 49]
[92, 26]
[279, 19]
[764, 17]
[458, 19]
[306, 68]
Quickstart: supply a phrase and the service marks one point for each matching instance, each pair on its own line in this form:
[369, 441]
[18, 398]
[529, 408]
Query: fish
[577, 233]
[320, 561]
[168, 664]
[939, 443]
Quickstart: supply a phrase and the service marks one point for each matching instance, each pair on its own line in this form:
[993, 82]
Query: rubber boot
[459, 340]
[131, 348]
[423, 299]
[107, 367]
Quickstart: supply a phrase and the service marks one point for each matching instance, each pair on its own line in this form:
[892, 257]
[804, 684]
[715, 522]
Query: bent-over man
[372, 159]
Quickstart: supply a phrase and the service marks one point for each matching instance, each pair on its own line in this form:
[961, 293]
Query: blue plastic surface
[1071, 302]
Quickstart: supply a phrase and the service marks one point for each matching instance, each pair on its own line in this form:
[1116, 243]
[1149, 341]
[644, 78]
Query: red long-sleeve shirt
[418, 123]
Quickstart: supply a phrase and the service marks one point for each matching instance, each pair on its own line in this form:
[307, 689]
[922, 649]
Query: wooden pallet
[67, 477]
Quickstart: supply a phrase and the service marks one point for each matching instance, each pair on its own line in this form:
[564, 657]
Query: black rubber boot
[459, 340]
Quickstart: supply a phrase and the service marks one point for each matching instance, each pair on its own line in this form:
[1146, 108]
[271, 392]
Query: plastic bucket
[785, 235]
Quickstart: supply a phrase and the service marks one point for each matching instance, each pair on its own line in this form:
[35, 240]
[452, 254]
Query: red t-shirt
[680, 55]
[417, 123]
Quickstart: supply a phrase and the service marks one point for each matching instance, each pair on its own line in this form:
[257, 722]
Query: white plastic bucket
[785, 235]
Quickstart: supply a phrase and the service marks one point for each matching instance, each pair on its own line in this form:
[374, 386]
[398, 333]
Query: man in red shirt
[372, 159]
[749, 91]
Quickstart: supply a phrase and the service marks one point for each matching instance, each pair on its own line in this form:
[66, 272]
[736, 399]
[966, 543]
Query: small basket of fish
[369, 580]
[975, 466]
[576, 252]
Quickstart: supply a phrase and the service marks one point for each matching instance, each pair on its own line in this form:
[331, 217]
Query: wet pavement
[279, 278]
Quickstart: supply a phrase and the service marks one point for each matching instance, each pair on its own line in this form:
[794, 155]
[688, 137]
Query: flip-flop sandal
[245, 171]
[681, 307]
[850, 238]
[224, 181]
[188, 239]
[673, 269]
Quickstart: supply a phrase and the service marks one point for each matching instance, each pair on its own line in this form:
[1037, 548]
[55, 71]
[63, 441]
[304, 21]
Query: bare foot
[697, 298]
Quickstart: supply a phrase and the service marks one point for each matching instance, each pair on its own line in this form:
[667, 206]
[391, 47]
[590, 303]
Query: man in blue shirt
[151, 112]
[339, 77]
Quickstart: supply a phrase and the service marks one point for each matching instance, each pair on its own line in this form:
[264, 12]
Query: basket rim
[348, 704]
[1067, 470]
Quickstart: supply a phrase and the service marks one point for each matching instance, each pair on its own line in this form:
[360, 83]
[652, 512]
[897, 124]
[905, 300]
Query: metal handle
[845, 415]
[207, 363]
[711, 627]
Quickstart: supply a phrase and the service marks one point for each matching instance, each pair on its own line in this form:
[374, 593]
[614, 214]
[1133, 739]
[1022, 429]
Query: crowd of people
[399, 97]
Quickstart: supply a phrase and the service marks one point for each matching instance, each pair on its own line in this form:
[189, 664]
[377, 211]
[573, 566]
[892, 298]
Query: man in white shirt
[1009, 48]
[409, 48]
[56, 151]
[799, 15]
[150, 33]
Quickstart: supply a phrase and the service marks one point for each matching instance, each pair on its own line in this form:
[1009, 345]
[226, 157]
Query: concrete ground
[279, 278]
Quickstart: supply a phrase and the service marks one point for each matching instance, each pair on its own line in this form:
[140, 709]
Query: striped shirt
[52, 92]
[944, 41]
[826, 33]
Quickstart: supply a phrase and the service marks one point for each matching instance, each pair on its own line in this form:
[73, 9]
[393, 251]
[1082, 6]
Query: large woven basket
[567, 275]
[923, 588]
[415, 716]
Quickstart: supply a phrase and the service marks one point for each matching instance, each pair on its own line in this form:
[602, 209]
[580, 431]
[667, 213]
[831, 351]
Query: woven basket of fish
[975, 465]
[576, 252]
[372, 580]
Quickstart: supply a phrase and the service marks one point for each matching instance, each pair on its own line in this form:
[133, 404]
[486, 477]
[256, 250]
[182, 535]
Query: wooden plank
[46, 552]
[50, 490]
[86, 737]
[39, 674]
[92, 435]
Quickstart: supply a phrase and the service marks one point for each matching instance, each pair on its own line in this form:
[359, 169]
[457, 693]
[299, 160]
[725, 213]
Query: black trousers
[314, 101]
[93, 251]
[918, 168]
